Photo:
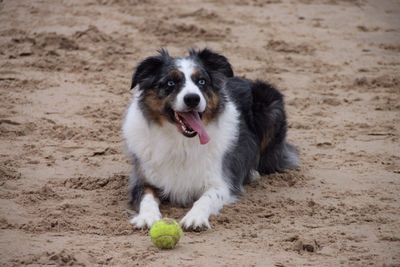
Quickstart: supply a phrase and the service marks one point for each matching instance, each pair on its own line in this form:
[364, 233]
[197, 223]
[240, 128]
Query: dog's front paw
[145, 220]
[196, 221]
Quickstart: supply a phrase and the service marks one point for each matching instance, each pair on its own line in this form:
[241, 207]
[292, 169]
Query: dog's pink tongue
[194, 121]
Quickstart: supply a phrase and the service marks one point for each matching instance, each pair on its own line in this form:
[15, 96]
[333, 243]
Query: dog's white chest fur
[181, 167]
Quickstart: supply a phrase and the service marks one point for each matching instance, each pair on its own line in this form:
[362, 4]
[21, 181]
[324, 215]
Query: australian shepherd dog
[197, 134]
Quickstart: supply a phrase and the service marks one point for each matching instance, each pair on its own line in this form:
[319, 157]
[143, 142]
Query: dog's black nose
[191, 100]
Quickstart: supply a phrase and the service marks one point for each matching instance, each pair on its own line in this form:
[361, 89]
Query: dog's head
[183, 91]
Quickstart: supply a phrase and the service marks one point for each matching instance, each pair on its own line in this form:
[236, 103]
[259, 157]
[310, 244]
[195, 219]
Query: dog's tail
[269, 122]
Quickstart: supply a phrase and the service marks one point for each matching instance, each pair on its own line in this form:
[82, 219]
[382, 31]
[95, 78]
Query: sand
[65, 69]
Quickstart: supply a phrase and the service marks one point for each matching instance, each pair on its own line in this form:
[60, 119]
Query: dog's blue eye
[201, 82]
[171, 83]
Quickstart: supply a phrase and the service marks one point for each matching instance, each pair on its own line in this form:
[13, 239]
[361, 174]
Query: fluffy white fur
[149, 212]
[182, 168]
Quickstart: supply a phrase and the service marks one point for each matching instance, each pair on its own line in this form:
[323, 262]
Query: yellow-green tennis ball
[165, 233]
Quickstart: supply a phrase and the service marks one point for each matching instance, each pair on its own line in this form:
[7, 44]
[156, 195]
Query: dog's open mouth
[190, 125]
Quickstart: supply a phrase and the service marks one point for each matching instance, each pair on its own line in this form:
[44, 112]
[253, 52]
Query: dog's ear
[214, 61]
[147, 70]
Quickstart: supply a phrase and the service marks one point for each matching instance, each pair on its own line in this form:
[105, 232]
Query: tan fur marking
[175, 74]
[150, 190]
[155, 106]
[196, 73]
[265, 141]
[212, 107]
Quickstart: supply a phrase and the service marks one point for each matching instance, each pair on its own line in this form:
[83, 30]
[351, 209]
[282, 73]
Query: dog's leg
[149, 211]
[270, 126]
[209, 203]
[143, 197]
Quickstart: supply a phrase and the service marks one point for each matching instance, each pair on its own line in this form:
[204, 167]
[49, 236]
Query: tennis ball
[165, 233]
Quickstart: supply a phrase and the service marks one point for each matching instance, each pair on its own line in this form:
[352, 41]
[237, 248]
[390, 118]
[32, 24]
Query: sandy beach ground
[65, 69]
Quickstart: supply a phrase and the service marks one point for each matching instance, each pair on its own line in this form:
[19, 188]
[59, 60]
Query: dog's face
[183, 91]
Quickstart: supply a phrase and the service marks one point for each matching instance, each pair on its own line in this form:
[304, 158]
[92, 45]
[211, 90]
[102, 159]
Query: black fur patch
[136, 184]
[262, 134]
[213, 62]
[147, 71]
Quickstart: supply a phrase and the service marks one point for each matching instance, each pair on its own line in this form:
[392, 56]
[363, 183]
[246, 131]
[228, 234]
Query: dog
[197, 134]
